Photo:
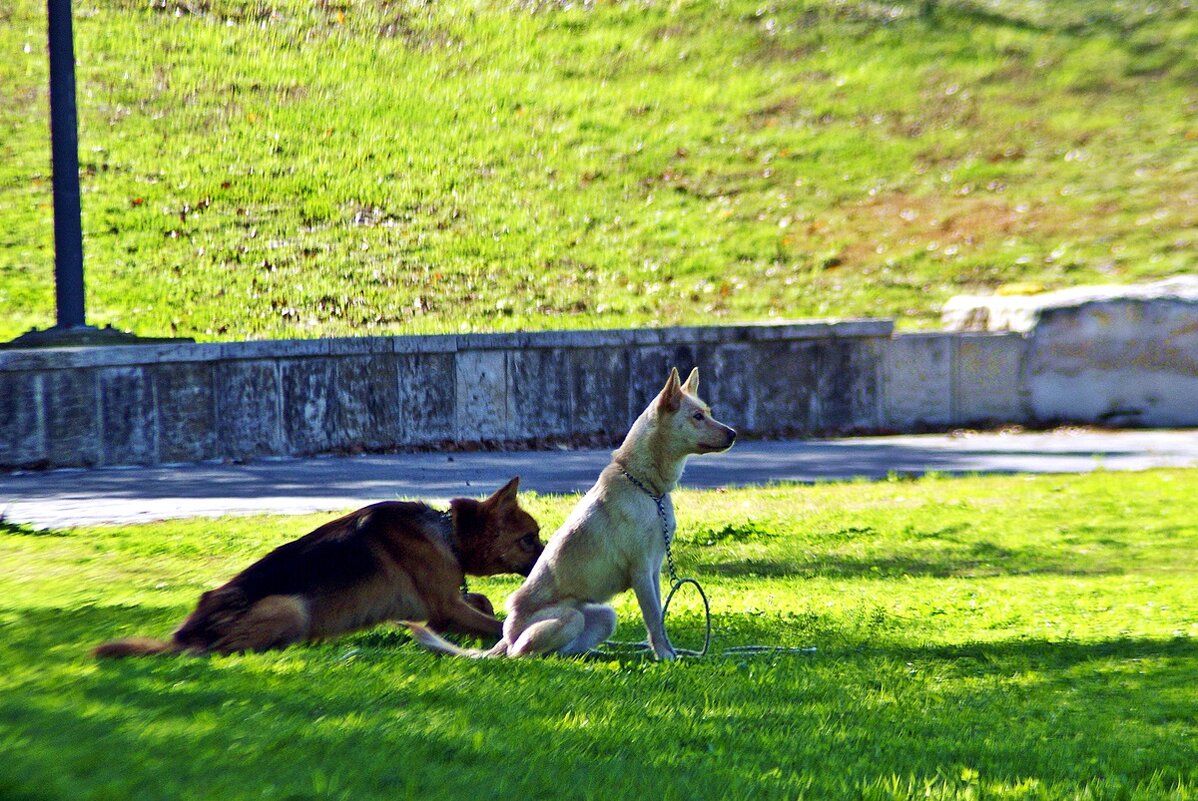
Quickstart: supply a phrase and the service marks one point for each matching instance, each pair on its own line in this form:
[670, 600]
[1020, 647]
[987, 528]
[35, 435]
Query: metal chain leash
[666, 534]
[677, 583]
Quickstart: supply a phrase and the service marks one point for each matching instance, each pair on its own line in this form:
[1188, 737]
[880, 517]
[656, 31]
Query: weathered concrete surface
[1128, 361]
[368, 407]
[917, 378]
[1123, 362]
[987, 379]
[782, 378]
[599, 387]
[249, 408]
[71, 410]
[128, 416]
[482, 395]
[186, 411]
[1124, 355]
[1021, 312]
[427, 397]
[538, 393]
[22, 429]
[847, 390]
[77, 497]
[242, 400]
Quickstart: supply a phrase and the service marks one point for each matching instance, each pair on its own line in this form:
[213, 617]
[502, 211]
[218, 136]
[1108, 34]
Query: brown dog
[389, 561]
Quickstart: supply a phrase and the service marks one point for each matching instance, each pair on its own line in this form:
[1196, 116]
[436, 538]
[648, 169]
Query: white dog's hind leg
[548, 630]
[599, 625]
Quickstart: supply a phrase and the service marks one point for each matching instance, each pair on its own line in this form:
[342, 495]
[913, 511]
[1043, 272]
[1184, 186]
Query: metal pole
[71, 330]
[64, 137]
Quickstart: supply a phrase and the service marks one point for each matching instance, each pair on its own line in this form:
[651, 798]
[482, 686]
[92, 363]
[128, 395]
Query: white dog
[612, 541]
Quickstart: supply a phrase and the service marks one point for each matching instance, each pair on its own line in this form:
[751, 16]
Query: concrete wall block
[1124, 362]
[71, 404]
[33, 359]
[771, 332]
[107, 356]
[728, 381]
[501, 341]
[190, 352]
[248, 408]
[427, 397]
[309, 393]
[186, 411]
[917, 378]
[415, 343]
[863, 327]
[703, 335]
[599, 390]
[273, 349]
[22, 422]
[785, 376]
[358, 346]
[847, 378]
[538, 393]
[481, 412]
[987, 384]
[367, 402]
[111, 356]
[649, 336]
[815, 329]
[608, 337]
[649, 368]
[128, 415]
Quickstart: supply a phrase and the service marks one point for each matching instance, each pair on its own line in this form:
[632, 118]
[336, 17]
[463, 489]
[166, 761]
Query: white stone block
[917, 380]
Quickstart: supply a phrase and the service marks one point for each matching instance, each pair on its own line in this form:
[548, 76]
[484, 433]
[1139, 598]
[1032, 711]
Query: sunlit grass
[1000, 637]
[284, 168]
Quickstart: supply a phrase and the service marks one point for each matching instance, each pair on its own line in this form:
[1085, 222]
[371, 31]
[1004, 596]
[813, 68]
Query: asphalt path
[58, 498]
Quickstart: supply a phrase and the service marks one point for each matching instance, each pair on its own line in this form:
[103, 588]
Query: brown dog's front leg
[480, 602]
[462, 617]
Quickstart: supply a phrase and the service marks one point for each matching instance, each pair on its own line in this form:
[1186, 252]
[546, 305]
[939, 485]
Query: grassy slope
[285, 168]
[1001, 637]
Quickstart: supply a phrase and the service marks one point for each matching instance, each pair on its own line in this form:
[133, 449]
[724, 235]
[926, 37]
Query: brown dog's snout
[527, 567]
[531, 562]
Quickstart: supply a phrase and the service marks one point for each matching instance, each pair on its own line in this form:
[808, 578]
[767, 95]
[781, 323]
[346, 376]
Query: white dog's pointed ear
[692, 382]
[505, 495]
[670, 397]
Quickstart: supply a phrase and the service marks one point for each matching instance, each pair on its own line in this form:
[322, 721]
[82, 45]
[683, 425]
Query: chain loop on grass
[678, 584]
[735, 650]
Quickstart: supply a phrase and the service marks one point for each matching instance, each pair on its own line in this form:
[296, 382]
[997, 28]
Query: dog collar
[657, 498]
[451, 543]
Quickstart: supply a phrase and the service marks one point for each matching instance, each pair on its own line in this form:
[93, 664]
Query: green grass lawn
[998, 637]
[294, 168]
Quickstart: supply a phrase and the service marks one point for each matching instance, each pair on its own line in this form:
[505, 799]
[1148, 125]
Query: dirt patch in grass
[901, 220]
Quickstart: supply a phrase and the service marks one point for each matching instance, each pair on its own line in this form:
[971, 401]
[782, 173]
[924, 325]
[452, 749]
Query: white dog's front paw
[665, 653]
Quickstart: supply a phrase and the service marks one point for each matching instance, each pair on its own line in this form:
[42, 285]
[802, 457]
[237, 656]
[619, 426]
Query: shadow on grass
[980, 559]
[9, 528]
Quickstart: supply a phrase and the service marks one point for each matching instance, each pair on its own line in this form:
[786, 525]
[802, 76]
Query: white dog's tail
[426, 637]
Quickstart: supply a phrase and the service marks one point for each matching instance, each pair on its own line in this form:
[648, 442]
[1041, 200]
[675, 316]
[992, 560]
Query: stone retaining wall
[190, 402]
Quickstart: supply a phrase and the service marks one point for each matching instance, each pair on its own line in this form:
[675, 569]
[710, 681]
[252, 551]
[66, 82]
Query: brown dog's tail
[135, 646]
[423, 635]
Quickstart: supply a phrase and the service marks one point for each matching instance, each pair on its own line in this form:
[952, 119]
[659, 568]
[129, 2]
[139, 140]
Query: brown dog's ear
[505, 495]
[670, 397]
[692, 382]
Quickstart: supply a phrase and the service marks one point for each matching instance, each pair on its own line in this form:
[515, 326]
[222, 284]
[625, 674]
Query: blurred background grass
[288, 168]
